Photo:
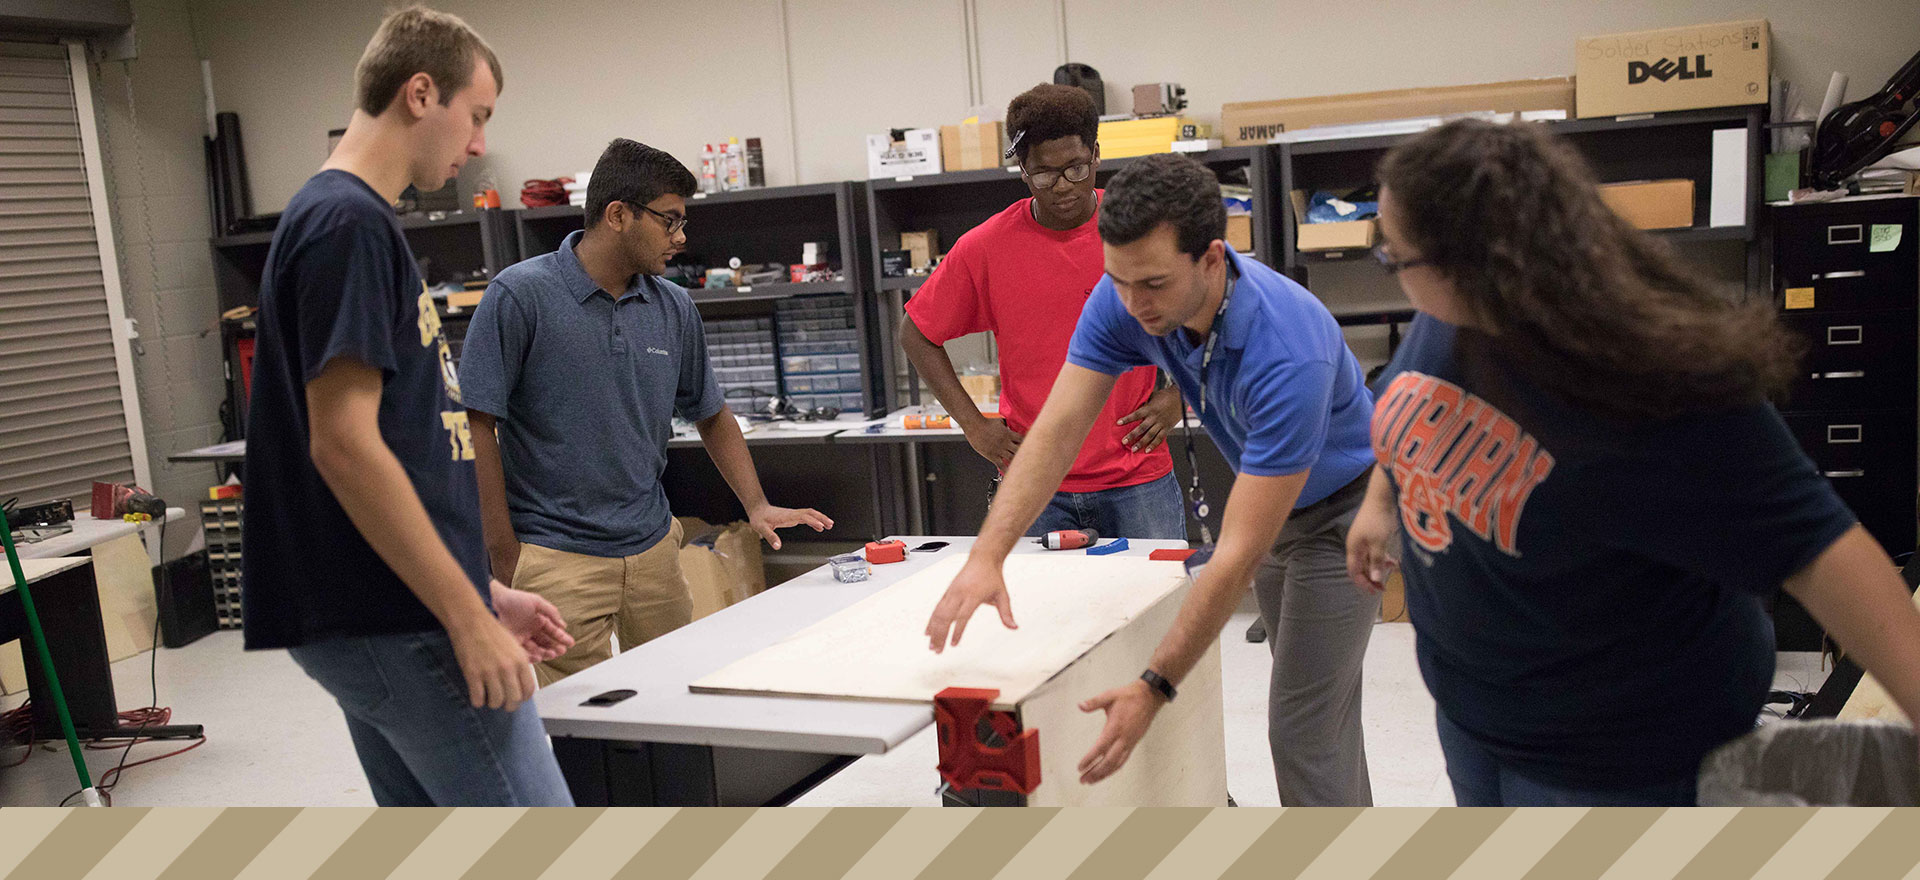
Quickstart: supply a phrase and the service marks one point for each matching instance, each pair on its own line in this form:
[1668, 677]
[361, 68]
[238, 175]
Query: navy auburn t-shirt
[340, 282]
[1587, 594]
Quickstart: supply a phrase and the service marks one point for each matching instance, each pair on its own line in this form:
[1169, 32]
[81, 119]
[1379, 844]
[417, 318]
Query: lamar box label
[1718, 65]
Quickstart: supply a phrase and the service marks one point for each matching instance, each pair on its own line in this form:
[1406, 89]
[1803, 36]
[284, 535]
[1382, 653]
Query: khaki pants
[641, 597]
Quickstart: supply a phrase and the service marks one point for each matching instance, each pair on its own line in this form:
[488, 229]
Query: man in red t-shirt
[1024, 274]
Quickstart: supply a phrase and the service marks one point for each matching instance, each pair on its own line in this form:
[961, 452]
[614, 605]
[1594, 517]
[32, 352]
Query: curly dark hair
[1049, 111]
[632, 172]
[1596, 311]
[1164, 188]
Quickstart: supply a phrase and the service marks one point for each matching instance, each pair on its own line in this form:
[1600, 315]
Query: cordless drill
[1070, 539]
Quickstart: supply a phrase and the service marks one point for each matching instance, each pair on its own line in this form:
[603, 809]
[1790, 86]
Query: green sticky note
[1886, 237]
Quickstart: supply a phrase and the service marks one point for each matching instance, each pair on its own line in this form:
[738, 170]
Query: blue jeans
[1149, 510]
[1480, 780]
[419, 740]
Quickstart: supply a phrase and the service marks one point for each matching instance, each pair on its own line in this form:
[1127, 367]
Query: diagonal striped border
[951, 844]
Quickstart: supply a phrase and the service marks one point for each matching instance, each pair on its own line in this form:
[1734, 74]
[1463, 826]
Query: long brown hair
[1581, 302]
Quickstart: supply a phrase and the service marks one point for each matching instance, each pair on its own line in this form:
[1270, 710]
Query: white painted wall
[678, 73]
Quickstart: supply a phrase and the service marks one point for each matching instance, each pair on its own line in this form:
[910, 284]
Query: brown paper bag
[722, 564]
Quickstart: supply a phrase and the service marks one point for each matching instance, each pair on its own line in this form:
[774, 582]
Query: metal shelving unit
[1643, 147]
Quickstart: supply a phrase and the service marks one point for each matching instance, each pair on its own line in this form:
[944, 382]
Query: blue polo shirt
[1284, 393]
[585, 386]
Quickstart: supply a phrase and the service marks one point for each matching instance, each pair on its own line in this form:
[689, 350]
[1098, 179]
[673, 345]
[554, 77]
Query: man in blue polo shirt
[1265, 366]
[580, 359]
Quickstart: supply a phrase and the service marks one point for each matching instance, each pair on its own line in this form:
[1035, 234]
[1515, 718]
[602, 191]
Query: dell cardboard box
[1717, 65]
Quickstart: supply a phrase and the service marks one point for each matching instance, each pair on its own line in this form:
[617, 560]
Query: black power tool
[1855, 135]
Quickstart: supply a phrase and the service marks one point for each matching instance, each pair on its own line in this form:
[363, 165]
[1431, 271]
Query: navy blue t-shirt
[1586, 593]
[340, 282]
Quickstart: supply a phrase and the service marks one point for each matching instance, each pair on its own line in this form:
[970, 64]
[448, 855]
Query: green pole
[46, 657]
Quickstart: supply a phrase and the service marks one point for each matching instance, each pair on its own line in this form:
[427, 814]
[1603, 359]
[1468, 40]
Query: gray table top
[664, 710]
[88, 533]
[232, 451]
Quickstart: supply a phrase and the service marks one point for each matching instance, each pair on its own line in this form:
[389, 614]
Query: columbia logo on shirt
[1453, 453]
[659, 351]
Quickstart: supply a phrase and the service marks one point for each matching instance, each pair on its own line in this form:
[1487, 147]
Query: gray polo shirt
[585, 386]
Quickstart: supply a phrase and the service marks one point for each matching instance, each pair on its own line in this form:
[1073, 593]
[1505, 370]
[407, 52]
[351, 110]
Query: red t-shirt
[1027, 283]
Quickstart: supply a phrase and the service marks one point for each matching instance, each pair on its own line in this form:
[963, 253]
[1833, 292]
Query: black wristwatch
[1159, 684]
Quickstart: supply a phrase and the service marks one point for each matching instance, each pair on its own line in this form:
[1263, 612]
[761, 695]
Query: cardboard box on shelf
[1341, 236]
[984, 388]
[1687, 68]
[1652, 204]
[1254, 122]
[922, 245]
[1240, 232]
[722, 564]
[916, 152]
[972, 146]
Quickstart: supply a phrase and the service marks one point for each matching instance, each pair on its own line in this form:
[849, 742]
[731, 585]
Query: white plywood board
[877, 648]
[1181, 762]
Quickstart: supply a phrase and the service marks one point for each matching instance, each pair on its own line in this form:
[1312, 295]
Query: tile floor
[274, 738]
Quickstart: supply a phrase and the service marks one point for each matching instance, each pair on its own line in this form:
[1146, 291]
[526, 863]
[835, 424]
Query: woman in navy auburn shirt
[1592, 493]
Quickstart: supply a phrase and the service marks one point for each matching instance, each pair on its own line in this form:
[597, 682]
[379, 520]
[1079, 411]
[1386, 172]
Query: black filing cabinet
[1847, 280]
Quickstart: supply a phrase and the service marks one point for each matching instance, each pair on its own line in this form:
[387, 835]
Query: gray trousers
[1317, 625]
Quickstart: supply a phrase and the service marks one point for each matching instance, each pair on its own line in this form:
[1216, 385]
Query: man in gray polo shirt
[581, 385]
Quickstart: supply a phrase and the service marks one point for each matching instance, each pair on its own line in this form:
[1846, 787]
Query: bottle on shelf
[736, 165]
[756, 164]
[708, 181]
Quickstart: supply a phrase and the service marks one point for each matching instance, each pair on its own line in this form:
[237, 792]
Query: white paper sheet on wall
[1728, 190]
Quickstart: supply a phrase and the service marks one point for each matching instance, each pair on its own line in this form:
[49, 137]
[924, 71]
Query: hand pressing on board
[766, 518]
[1130, 710]
[976, 585]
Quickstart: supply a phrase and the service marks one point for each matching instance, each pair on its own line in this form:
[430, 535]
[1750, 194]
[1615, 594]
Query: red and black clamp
[981, 748]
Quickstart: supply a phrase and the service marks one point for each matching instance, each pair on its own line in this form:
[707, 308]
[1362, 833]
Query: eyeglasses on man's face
[675, 223]
[1073, 174]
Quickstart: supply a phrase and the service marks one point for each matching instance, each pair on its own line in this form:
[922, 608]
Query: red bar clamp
[968, 757]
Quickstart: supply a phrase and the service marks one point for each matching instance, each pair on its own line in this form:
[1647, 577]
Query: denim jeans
[419, 740]
[1480, 780]
[1149, 510]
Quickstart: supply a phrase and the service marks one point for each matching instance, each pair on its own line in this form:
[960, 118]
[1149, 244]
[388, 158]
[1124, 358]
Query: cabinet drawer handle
[1843, 433]
[1834, 276]
[1842, 475]
[1845, 374]
[1852, 233]
[1845, 334]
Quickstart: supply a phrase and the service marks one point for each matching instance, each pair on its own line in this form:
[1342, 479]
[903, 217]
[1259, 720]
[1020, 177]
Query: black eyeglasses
[674, 224]
[1073, 174]
[1393, 266]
